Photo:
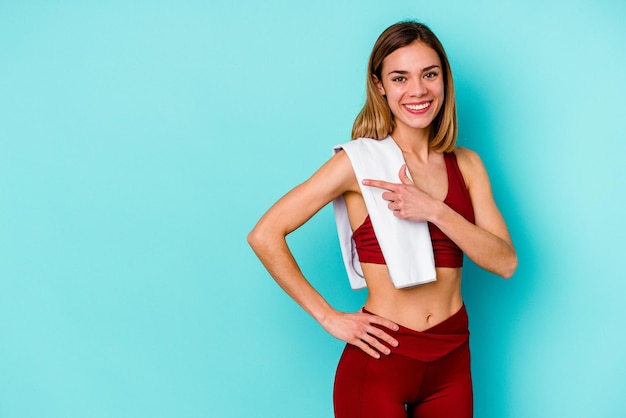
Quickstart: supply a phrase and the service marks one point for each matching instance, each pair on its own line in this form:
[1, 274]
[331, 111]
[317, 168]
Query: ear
[379, 85]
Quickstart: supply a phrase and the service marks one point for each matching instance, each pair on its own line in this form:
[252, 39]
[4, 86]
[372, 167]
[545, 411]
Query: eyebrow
[402, 72]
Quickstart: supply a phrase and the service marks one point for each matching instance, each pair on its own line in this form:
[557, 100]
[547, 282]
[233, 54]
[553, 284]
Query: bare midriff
[418, 308]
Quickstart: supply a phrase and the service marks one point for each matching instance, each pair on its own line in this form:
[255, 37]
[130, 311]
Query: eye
[431, 74]
[399, 79]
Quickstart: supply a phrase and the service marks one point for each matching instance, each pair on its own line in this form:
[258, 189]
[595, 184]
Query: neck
[413, 141]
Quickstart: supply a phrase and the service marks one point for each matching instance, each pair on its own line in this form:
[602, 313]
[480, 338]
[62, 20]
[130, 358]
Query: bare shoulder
[337, 173]
[471, 165]
[334, 178]
[467, 157]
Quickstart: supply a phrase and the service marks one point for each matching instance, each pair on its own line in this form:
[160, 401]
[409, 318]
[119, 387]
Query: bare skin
[268, 241]
[413, 86]
[487, 243]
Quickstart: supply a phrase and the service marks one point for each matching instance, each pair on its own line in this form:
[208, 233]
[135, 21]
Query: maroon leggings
[426, 376]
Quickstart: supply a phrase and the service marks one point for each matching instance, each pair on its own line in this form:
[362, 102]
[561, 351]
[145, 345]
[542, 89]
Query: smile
[417, 107]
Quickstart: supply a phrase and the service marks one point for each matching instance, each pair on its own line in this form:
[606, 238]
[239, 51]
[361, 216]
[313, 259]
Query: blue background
[141, 140]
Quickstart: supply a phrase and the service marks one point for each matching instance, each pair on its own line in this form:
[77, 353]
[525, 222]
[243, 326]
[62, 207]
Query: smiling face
[412, 81]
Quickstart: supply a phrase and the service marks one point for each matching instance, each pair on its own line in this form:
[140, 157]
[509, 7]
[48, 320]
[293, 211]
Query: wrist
[437, 212]
[326, 316]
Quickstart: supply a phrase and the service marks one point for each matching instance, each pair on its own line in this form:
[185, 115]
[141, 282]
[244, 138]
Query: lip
[418, 108]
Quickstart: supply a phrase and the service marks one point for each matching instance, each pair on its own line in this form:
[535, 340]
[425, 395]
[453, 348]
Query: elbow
[255, 239]
[509, 267]
[262, 239]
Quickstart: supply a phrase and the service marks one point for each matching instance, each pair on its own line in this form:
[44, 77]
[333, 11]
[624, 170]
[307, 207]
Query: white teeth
[418, 107]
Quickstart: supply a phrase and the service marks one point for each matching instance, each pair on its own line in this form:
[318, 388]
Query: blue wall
[141, 140]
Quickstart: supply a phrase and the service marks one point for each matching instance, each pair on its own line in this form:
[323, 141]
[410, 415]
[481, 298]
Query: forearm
[488, 250]
[272, 250]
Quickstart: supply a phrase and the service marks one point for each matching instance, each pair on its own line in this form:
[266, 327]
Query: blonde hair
[375, 119]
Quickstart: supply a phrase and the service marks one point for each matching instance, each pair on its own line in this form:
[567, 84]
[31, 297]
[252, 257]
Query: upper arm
[333, 179]
[486, 212]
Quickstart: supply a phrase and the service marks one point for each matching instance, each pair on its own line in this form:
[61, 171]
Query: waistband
[433, 343]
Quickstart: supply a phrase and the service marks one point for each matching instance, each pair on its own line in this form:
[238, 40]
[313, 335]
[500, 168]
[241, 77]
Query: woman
[407, 351]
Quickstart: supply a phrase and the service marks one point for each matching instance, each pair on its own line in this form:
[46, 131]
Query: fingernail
[394, 343]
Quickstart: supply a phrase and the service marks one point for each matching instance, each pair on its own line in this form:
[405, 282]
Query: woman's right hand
[358, 329]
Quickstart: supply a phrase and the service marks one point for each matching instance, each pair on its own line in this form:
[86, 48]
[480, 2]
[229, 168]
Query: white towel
[406, 245]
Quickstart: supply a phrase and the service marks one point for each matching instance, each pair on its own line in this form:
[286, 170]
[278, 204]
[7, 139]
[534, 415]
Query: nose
[418, 88]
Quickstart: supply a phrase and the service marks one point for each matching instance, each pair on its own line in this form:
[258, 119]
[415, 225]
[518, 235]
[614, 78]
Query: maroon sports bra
[447, 253]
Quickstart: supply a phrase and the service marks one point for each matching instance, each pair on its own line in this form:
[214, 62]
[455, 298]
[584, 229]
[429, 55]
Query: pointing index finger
[381, 184]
